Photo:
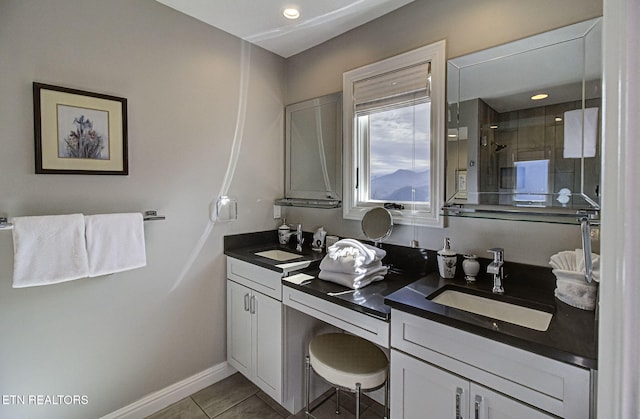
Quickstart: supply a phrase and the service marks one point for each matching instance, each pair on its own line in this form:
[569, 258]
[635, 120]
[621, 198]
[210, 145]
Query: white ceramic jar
[471, 267]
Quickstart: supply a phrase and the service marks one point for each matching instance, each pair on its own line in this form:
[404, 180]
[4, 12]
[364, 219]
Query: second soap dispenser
[447, 259]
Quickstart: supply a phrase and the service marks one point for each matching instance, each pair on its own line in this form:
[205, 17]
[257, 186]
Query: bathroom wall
[118, 338]
[467, 26]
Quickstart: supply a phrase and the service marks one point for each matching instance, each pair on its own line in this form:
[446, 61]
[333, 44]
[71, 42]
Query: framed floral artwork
[79, 132]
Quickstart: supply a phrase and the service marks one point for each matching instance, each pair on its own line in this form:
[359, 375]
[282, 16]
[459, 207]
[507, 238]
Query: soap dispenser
[447, 259]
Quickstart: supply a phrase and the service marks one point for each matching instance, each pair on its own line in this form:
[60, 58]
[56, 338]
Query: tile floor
[237, 397]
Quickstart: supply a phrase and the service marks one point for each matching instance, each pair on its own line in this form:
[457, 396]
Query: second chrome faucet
[299, 237]
[496, 268]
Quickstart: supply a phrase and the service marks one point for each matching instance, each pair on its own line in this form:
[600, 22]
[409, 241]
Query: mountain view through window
[400, 154]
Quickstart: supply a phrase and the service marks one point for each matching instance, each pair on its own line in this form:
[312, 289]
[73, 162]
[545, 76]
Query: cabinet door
[267, 322]
[487, 404]
[420, 390]
[239, 327]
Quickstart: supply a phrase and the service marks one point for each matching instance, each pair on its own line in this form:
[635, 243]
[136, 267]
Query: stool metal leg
[387, 389]
[337, 400]
[307, 376]
[358, 400]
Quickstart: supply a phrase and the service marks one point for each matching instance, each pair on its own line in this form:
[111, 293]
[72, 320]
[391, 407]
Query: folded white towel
[347, 265]
[115, 243]
[355, 281]
[575, 133]
[48, 250]
[361, 253]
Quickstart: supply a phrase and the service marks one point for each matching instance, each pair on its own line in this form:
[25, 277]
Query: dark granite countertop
[244, 247]
[571, 336]
[368, 300]
[572, 333]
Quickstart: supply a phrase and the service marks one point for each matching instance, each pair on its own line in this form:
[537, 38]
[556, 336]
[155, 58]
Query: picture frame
[79, 132]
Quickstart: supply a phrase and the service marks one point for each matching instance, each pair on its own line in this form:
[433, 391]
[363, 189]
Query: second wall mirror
[313, 153]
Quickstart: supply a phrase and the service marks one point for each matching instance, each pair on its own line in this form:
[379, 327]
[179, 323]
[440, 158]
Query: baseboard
[160, 399]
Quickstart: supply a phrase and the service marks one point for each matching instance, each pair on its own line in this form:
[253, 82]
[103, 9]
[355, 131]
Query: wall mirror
[313, 152]
[523, 133]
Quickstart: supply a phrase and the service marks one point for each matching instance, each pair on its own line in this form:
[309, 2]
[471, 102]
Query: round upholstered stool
[348, 362]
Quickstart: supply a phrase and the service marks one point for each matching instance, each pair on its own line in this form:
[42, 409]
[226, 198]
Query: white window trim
[435, 53]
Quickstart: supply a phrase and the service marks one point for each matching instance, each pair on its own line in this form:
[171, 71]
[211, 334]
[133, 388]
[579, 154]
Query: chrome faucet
[299, 238]
[496, 268]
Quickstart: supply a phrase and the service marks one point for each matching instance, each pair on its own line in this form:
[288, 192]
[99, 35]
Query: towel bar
[146, 216]
[4, 224]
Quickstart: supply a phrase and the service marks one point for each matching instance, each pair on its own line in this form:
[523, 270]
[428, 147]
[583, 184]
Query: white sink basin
[279, 255]
[510, 313]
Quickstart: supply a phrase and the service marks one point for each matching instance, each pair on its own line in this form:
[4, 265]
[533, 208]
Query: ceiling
[261, 21]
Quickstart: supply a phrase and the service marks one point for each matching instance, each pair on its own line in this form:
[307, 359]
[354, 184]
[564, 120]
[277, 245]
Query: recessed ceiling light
[291, 13]
[539, 96]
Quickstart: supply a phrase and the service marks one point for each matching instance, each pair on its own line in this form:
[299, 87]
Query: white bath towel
[115, 243]
[48, 250]
[360, 253]
[574, 134]
[355, 281]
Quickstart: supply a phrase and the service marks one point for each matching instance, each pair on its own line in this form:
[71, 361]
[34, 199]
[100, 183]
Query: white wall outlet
[277, 211]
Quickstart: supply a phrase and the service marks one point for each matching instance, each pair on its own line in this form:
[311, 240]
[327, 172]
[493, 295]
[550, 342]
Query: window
[394, 129]
[532, 183]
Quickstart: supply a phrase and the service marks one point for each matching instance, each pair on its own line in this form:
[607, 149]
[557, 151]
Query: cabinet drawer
[359, 324]
[553, 386]
[260, 279]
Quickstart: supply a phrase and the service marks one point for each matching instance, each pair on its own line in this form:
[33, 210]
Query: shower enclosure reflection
[523, 128]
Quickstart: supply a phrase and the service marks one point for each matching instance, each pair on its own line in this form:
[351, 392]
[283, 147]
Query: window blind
[405, 84]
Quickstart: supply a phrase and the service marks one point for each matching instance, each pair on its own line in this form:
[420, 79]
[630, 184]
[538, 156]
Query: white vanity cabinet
[442, 372]
[419, 387]
[254, 325]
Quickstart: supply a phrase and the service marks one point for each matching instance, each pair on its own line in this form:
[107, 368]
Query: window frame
[353, 156]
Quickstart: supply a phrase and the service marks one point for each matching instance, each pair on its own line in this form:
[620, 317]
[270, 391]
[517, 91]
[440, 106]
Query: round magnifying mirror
[377, 224]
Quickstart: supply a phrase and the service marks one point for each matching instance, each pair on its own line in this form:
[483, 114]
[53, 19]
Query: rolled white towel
[355, 281]
[361, 253]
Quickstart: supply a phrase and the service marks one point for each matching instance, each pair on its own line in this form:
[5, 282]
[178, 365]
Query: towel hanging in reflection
[574, 134]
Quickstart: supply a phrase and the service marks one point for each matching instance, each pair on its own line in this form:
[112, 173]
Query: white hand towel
[354, 281]
[48, 250]
[115, 243]
[574, 134]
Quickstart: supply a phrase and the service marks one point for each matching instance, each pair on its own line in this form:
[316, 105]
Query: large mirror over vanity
[523, 127]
